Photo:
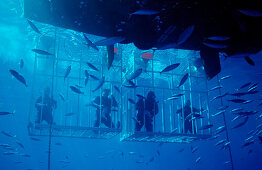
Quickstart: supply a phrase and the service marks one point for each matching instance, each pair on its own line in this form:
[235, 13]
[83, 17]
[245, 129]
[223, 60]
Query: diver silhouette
[45, 105]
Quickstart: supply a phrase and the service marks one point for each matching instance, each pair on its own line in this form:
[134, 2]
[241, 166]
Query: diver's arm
[39, 100]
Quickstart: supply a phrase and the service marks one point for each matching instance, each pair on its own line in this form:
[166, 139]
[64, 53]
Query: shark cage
[181, 97]
[76, 76]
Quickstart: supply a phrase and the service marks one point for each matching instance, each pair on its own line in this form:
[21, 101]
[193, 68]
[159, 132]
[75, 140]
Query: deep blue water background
[16, 40]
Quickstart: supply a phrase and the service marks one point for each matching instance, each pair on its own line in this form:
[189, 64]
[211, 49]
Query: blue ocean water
[18, 39]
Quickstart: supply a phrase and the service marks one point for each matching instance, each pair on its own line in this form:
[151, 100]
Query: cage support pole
[227, 136]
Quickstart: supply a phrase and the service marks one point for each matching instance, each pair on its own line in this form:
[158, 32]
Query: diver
[104, 109]
[187, 112]
[45, 105]
[146, 111]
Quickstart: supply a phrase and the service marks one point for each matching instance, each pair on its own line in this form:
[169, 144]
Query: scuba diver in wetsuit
[45, 105]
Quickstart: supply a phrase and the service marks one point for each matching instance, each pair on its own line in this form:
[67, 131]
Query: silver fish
[42, 52]
[251, 13]
[101, 83]
[216, 46]
[241, 123]
[183, 80]
[32, 25]
[170, 68]
[145, 12]
[19, 77]
[219, 113]
[76, 90]
[185, 35]
[68, 70]
[135, 74]
[92, 66]
[219, 38]
[89, 43]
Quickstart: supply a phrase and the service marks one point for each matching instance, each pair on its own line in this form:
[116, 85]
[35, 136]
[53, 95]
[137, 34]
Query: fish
[93, 77]
[259, 117]
[221, 142]
[248, 143]
[158, 152]
[110, 56]
[170, 68]
[223, 107]
[42, 52]
[89, 43]
[237, 109]
[10, 153]
[8, 134]
[219, 113]
[215, 88]
[62, 97]
[260, 139]
[245, 85]
[68, 70]
[130, 86]
[132, 153]
[178, 95]
[32, 25]
[198, 160]
[34, 139]
[100, 84]
[78, 86]
[218, 38]
[194, 149]
[249, 61]
[226, 77]
[213, 137]
[131, 101]
[237, 100]
[109, 41]
[117, 89]
[215, 46]
[86, 77]
[166, 34]
[208, 126]
[241, 123]
[181, 150]
[252, 86]
[183, 80]
[92, 66]
[151, 159]
[250, 13]
[21, 63]
[20, 144]
[58, 144]
[145, 12]
[219, 96]
[171, 98]
[239, 94]
[76, 90]
[185, 35]
[131, 83]
[235, 118]
[220, 129]
[19, 77]
[6, 113]
[135, 74]
[70, 114]
[246, 113]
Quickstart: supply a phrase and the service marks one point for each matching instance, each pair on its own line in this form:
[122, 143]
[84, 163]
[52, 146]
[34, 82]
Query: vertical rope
[52, 98]
[227, 136]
